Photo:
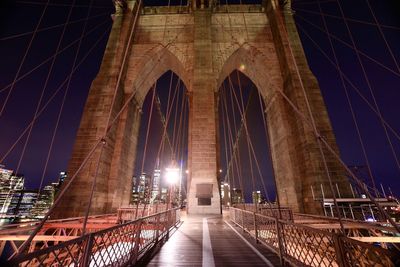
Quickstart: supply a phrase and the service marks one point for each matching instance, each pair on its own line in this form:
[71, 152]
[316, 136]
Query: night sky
[18, 20]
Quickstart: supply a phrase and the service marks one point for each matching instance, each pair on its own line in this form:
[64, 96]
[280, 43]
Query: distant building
[141, 188]
[164, 195]
[21, 203]
[44, 201]
[257, 197]
[10, 184]
[16, 201]
[225, 194]
[237, 196]
[155, 193]
[134, 183]
[57, 185]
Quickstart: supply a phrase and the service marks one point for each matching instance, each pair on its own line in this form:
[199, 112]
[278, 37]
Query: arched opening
[162, 144]
[246, 172]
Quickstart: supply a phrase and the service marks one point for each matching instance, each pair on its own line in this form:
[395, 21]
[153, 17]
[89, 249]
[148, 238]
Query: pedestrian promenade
[212, 241]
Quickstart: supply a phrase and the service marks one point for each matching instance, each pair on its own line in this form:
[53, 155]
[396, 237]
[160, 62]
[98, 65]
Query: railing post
[168, 223]
[137, 242]
[242, 220]
[255, 227]
[340, 256]
[158, 227]
[88, 250]
[280, 241]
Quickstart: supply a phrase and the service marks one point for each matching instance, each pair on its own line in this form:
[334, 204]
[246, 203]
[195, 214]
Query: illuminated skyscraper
[155, 193]
[225, 194]
[237, 197]
[10, 184]
[44, 202]
[257, 197]
[22, 202]
[144, 187]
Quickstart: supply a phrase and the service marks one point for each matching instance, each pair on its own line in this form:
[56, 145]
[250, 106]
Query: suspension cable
[84, 162]
[50, 99]
[350, 106]
[63, 100]
[347, 18]
[353, 86]
[20, 77]
[148, 126]
[314, 127]
[270, 152]
[150, 186]
[349, 45]
[383, 36]
[56, 4]
[234, 148]
[244, 122]
[370, 88]
[14, 36]
[24, 57]
[337, 156]
[251, 150]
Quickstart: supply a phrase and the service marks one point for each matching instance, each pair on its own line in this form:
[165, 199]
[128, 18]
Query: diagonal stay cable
[280, 21]
[162, 119]
[367, 79]
[54, 55]
[24, 58]
[379, 25]
[337, 156]
[353, 115]
[355, 88]
[349, 45]
[347, 18]
[18, 35]
[90, 153]
[251, 150]
[56, 4]
[50, 99]
[45, 86]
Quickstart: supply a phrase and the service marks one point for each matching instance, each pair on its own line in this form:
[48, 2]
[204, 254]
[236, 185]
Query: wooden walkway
[211, 241]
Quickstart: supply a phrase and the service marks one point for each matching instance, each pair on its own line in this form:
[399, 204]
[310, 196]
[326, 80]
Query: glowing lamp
[172, 175]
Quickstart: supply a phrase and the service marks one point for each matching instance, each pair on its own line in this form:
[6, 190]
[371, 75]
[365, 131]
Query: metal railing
[131, 213]
[271, 210]
[120, 245]
[301, 245]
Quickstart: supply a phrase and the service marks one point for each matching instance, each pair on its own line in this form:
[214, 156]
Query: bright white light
[220, 170]
[172, 175]
[187, 171]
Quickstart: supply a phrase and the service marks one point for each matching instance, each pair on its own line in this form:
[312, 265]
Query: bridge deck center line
[207, 256]
[269, 264]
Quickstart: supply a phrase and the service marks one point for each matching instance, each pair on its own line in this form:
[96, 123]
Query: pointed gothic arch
[141, 75]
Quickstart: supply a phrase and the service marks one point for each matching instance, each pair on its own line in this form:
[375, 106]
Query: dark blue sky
[384, 78]
[19, 17]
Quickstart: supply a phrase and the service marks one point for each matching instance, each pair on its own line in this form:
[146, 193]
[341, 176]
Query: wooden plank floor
[189, 246]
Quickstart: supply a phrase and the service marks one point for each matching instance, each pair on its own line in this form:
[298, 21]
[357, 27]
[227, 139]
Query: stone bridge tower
[202, 43]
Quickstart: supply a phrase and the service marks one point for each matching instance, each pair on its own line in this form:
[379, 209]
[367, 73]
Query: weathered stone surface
[203, 46]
